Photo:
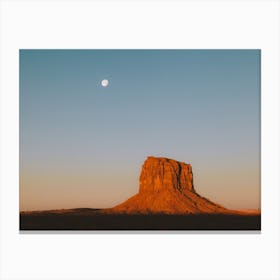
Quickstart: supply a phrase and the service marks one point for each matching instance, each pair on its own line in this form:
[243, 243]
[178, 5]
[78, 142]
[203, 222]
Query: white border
[124, 24]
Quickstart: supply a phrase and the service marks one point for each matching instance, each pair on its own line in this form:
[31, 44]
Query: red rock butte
[166, 187]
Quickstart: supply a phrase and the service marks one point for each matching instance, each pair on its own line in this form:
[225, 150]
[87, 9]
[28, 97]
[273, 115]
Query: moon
[104, 83]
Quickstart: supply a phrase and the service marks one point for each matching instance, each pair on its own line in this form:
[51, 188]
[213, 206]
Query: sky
[83, 145]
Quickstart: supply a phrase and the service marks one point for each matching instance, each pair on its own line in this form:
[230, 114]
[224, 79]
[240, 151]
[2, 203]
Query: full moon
[104, 83]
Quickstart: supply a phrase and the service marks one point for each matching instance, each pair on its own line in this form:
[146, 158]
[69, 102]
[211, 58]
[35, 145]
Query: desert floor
[93, 219]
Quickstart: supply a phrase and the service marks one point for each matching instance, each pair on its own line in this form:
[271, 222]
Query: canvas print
[139, 139]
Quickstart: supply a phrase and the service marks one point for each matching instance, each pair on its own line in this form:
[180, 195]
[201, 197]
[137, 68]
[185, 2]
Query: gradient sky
[83, 145]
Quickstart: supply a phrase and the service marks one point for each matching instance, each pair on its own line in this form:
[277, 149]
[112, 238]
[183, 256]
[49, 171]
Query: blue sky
[82, 145]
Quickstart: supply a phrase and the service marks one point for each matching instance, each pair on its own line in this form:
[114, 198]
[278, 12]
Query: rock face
[166, 187]
[160, 174]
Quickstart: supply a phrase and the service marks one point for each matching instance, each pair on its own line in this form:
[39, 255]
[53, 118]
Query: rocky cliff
[166, 187]
[160, 174]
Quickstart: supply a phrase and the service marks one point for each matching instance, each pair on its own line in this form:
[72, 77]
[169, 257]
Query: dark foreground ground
[92, 220]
